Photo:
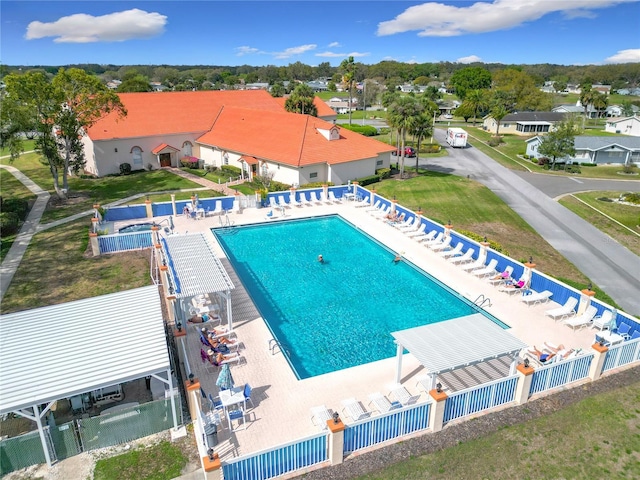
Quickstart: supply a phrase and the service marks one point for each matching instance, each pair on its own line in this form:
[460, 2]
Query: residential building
[576, 109]
[524, 123]
[596, 150]
[248, 129]
[624, 126]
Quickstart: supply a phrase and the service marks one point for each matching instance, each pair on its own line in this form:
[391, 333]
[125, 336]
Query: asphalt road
[611, 266]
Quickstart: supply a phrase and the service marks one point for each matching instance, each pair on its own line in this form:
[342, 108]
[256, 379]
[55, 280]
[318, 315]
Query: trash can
[211, 434]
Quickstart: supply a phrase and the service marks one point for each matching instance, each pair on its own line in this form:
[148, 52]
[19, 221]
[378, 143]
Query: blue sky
[568, 32]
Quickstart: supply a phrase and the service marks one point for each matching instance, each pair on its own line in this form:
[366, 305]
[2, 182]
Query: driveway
[607, 263]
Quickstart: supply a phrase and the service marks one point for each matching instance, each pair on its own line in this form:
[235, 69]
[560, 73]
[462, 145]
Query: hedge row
[14, 212]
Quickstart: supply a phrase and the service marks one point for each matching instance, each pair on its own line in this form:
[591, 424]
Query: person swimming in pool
[320, 259]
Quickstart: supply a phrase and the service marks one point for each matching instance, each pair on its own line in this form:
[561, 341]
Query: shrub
[435, 148]
[316, 184]
[631, 198]
[525, 156]
[368, 180]
[494, 141]
[631, 168]
[543, 161]
[278, 186]
[230, 170]
[383, 173]
[19, 206]
[478, 238]
[366, 130]
[210, 168]
[572, 169]
[586, 164]
[125, 168]
[9, 223]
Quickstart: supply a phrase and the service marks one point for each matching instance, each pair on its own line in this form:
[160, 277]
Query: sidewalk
[218, 187]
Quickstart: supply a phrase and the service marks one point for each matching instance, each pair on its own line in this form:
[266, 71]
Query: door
[165, 159]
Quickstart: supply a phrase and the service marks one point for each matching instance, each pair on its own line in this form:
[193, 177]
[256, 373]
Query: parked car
[408, 152]
[448, 116]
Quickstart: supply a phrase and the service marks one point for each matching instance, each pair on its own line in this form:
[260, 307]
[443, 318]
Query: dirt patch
[73, 199]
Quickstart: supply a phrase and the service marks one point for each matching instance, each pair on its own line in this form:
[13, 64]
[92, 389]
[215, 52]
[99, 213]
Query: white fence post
[598, 361]
[336, 441]
[523, 388]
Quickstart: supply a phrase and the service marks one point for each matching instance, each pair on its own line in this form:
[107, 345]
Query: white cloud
[342, 55]
[289, 52]
[469, 59]
[246, 50]
[631, 55]
[113, 27]
[334, 45]
[439, 20]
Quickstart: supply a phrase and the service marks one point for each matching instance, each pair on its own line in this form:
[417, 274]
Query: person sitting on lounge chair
[392, 217]
[518, 284]
[560, 350]
[199, 319]
[501, 276]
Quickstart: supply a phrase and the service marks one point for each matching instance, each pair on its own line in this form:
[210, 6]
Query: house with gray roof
[524, 123]
[577, 110]
[596, 150]
[624, 126]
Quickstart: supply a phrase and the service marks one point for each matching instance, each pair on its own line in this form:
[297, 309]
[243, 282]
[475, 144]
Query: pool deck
[283, 403]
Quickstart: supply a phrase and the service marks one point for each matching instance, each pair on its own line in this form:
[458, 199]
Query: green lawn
[627, 215]
[163, 461]
[595, 438]
[12, 188]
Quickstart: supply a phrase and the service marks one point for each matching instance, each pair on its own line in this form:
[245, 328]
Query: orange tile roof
[161, 113]
[162, 146]
[287, 138]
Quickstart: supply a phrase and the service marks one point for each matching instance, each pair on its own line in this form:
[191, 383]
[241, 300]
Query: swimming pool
[339, 314]
[137, 227]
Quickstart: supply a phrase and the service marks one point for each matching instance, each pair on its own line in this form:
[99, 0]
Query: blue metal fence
[560, 291]
[278, 461]
[378, 429]
[622, 354]
[562, 373]
[477, 399]
[123, 242]
[126, 212]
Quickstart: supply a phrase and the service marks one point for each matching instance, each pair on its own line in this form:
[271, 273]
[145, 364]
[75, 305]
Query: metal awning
[59, 351]
[456, 343]
[194, 266]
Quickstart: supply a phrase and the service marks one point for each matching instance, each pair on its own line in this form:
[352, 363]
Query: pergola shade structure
[461, 342]
[194, 270]
[56, 352]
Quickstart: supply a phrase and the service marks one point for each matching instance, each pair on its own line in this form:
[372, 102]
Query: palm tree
[348, 68]
[498, 112]
[422, 126]
[600, 102]
[476, 100]
[587, 95]
[401, 116]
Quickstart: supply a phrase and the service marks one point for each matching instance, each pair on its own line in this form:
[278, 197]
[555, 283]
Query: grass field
[162, 461]
[595, 438]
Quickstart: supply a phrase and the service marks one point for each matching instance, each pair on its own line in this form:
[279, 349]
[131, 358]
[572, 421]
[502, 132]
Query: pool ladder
[275, 344]
[481, 300]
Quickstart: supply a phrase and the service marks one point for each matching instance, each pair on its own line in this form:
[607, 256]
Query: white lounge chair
[582, 320]
[464, 258]
[305, 200]
[418, 231]
[294, 202]
[381, 213]
[487, 271]
[314, 198]
[333, 198]
[454, 252]
[362, 203]
[536, 297]
[320, 415]
[566, 310]
[382, 403]
[354, 409]
[445, 243]
[282, 203]
[402, 395]
[606, 321]
[410, 225]
[426, 237]
[435, 240]
[407, 224]
[273, 202]
[376, 206]
[515, 286]
[218, 210]
[502, 277]
[477, 265]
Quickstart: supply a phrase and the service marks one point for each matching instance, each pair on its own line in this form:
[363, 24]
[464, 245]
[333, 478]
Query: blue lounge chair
[624, 330]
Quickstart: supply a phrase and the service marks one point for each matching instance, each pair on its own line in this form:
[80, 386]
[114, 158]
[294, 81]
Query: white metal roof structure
[55, 352]
[194, 266]
[456, 343]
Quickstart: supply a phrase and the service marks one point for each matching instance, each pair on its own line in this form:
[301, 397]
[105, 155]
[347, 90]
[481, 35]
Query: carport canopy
[56, 352]
[451, 344]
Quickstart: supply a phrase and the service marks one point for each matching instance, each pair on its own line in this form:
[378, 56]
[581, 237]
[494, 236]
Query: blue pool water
[338, 314]
[138, 227]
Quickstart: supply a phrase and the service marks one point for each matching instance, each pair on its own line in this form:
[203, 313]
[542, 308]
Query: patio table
[609, 338]
[233, 396]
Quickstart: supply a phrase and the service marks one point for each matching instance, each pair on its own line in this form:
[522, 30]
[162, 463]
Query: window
[136, 155]
[378, 163]
[313, 175]
[187, 149]
[225, 158]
